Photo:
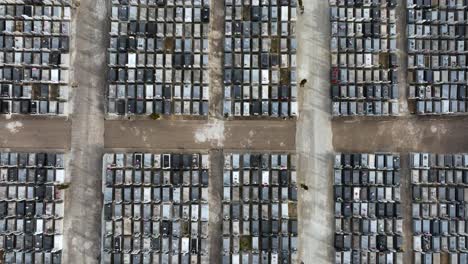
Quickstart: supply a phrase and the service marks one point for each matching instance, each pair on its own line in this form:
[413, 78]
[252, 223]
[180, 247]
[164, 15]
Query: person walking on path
[301, 6]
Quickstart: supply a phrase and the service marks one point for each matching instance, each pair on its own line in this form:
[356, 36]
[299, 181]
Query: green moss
[284, 76]
[169, 44]
[185, 228]
[54, 91]
[275, 45]
[63, 186]
[292, 210]
[155, 116]
[246, 12]
[245, 243]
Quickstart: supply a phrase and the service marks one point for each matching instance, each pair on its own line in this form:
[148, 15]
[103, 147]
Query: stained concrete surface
[216, 59]
[31, 133]
[150, 134]
[314, 135]
[402, 56]
[404, 134]
[83, 200]
[215, 192]
[200, 134]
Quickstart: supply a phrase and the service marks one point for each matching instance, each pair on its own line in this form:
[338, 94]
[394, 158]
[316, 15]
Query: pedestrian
[301, 6]
[303, 82]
